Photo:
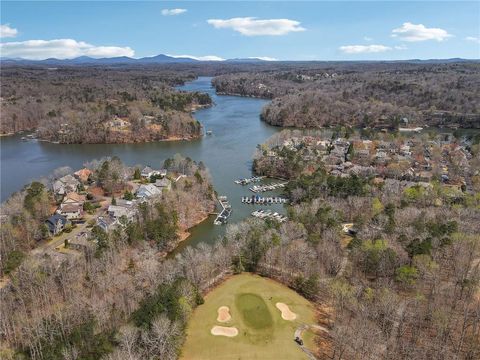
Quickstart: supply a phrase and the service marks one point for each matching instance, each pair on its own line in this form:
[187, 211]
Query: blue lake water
[236, 131]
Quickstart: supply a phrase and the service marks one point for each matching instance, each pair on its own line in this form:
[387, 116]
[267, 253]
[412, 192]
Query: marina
[269, 187]
[269, 215]
[260, 200]
[249, 180]
[225, 213]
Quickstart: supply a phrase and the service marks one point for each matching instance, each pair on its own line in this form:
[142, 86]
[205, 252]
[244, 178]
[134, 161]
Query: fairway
[262, 333]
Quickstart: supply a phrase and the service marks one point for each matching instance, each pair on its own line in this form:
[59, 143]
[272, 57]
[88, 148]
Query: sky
[273, 30]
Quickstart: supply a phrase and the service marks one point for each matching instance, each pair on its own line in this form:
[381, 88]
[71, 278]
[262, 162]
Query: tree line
[376, 95]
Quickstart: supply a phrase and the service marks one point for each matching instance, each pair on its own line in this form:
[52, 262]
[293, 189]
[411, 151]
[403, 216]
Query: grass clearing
[262, 333]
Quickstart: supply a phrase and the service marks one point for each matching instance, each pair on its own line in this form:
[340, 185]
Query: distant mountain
[86, 60]
[166, 59]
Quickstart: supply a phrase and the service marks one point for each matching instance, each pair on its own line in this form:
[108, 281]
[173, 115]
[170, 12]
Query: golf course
[249, 317]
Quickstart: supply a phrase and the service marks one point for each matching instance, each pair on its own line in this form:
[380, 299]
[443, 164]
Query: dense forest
[391, 266]
[364, 95]
[404, 287]
[99, 105]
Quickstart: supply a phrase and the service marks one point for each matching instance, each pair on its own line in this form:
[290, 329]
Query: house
[163, 184]
[118, 211]
[80, 242]
[71, 211]
[73, 198]
[83, 174]
[72, 206]
[148, 172]
[117, 123]
[107, 223]
[65, 185]
[148, 191]
[56, 223]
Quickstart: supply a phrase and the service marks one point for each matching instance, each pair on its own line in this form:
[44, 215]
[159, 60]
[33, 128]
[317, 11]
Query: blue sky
[287, 30]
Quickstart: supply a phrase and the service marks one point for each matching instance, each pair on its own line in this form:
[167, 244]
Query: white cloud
[366, 38]
[173, 12]
[251, 26]
[364, 49]
[473, 38]
[411, 32]
[199, 58]
[400, 47]
[60, 49]
[7, 32]
[264, 58]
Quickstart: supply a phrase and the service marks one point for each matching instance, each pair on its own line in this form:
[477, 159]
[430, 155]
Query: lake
[236, 131]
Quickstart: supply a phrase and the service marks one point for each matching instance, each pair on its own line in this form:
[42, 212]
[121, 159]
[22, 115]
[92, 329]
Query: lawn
[262, 333]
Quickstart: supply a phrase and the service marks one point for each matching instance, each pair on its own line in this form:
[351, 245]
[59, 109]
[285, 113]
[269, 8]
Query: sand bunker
[287, 314]
[223, 314]
[224, 331]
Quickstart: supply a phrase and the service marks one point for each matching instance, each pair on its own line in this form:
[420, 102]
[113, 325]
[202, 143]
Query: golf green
[254, 311]
[262, 333]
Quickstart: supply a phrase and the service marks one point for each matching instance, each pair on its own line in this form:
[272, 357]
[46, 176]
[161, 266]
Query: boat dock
[225, 213]
[270, 187]
[249, 180]
[260, 200]
[262, 214]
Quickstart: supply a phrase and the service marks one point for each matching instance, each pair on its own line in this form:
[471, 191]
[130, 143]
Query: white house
[147, 172]
[148, 191]
[65, 185]
[117, 211]
[71, 211]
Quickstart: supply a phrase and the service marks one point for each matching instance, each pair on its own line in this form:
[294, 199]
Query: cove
[236, 131]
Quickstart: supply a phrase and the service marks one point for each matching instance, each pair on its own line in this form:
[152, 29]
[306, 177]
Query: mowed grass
[263, 334]
[254, 311]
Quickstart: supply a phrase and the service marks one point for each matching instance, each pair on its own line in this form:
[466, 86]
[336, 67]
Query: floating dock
[225, 213]
[269, 187]
[260, 200]
[249, 180]
[264, 215]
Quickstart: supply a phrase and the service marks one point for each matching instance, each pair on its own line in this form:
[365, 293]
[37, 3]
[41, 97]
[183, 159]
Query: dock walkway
[269, 187]
[260, 200]
[264, 215]
[249, 180]
[225, 213]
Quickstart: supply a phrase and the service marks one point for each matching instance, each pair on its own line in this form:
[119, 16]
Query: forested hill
[360, 94]
[99, 105]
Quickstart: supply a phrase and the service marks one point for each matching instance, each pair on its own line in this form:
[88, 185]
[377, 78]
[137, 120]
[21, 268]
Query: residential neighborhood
[410, 158]
[82, 203]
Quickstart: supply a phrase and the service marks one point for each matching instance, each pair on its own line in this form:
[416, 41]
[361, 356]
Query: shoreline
[185, 234]
[170, 138]
[223, 93]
